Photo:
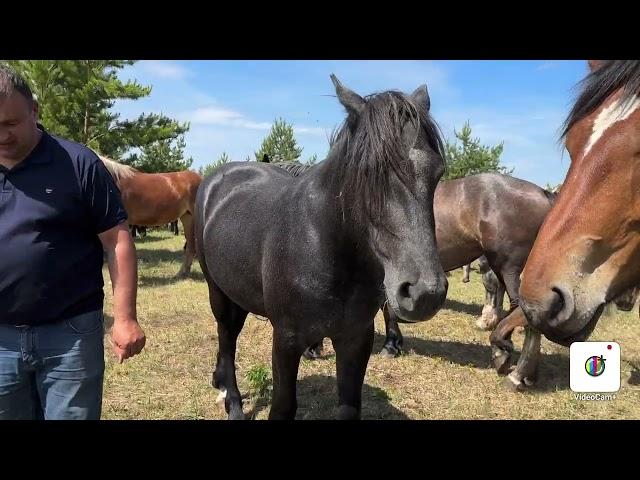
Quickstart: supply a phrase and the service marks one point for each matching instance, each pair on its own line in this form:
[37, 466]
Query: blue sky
[232, 104]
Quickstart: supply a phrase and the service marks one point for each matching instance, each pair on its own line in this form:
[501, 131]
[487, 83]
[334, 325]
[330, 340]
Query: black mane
[364, 154]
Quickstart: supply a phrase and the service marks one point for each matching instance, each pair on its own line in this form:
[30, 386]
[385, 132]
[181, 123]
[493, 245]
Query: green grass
[445, 372]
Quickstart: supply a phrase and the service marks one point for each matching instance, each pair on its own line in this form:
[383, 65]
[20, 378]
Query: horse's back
[513, 209]
[478, 212]
[238, 179]
[159, 198]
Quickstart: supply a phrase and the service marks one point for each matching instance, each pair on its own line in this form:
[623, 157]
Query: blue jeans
[53, 371]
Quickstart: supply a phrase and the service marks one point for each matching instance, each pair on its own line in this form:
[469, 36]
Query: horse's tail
[193, 191]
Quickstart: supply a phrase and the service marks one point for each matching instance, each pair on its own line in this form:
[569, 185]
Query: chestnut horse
[152, 199]
[588, 249]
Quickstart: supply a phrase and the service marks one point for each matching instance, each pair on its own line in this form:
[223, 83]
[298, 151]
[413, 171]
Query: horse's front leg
[352, 356]
[285, 362]
[501, 344]
[393, 339]
[525, 374]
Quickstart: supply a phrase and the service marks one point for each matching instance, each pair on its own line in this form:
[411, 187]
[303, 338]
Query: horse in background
[138, 230]
[152, 199]
[466, 272]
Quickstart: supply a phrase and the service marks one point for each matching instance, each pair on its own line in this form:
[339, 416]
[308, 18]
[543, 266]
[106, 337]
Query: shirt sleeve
[103, 198]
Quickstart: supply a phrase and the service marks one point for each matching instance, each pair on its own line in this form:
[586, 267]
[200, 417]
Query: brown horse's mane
[118, 170]
[601, 83]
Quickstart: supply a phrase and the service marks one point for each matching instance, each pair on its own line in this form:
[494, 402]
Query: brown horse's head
[587, 252]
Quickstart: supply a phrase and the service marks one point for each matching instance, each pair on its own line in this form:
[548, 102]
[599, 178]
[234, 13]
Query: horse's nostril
[557, 303]
[403, 291]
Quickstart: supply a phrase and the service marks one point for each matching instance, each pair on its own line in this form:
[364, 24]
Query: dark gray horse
[491, 215]
[319, 254]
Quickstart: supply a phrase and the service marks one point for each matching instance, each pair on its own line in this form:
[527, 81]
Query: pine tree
[280, 145]
[208, 169]
[471, 157]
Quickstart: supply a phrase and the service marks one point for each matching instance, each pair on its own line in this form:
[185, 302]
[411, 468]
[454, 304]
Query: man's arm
[127, 338]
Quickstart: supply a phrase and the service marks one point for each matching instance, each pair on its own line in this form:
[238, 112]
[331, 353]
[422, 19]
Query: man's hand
[127, 339]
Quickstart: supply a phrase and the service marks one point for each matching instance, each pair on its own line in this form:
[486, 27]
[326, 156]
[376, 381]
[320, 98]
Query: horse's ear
[265, 158]
[353, 102]
[421, 96]
[594, 64]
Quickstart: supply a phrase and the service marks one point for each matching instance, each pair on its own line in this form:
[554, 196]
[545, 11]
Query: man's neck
[11, 163]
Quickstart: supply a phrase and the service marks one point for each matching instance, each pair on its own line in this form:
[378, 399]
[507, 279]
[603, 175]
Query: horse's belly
[456, 253]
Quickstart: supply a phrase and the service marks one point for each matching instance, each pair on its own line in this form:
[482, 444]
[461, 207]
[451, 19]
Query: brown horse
[152, 199]
[491, 215]
[588, 248]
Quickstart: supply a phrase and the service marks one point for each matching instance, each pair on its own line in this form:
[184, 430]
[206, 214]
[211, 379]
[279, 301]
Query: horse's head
[391, 161]
[587, 252]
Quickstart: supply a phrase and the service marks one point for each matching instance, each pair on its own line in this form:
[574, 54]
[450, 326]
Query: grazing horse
[316, 253]
[152, 199]
[588, 250]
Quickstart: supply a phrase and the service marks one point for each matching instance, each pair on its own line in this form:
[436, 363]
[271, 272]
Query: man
[59, 210]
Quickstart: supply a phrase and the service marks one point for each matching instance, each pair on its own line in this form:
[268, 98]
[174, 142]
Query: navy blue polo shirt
[52, 207]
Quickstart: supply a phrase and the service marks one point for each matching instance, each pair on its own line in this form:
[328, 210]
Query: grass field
[444, 374]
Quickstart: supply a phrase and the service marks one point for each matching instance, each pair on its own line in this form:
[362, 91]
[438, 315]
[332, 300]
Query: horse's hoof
[514, 383]
[311, 354]
[390, 352]
[501, 360]
[237, 415]
[221, 396]
[485, 325]
[347, 412]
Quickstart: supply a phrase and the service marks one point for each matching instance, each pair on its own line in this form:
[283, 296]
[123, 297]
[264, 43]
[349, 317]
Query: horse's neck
[328, 203]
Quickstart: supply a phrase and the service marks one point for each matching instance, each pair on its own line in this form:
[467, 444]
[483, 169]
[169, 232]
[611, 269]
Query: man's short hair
[10, 81]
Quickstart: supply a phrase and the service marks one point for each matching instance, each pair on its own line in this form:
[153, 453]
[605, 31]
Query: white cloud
[310, 130]
[546, 66]
[224, 117]
[164, 69]
[212, 116]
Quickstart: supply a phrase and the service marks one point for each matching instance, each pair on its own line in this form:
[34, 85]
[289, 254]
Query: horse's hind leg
[494, 298]
[187, 224]
[230, 319]
[352, 356]
[393, 338]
